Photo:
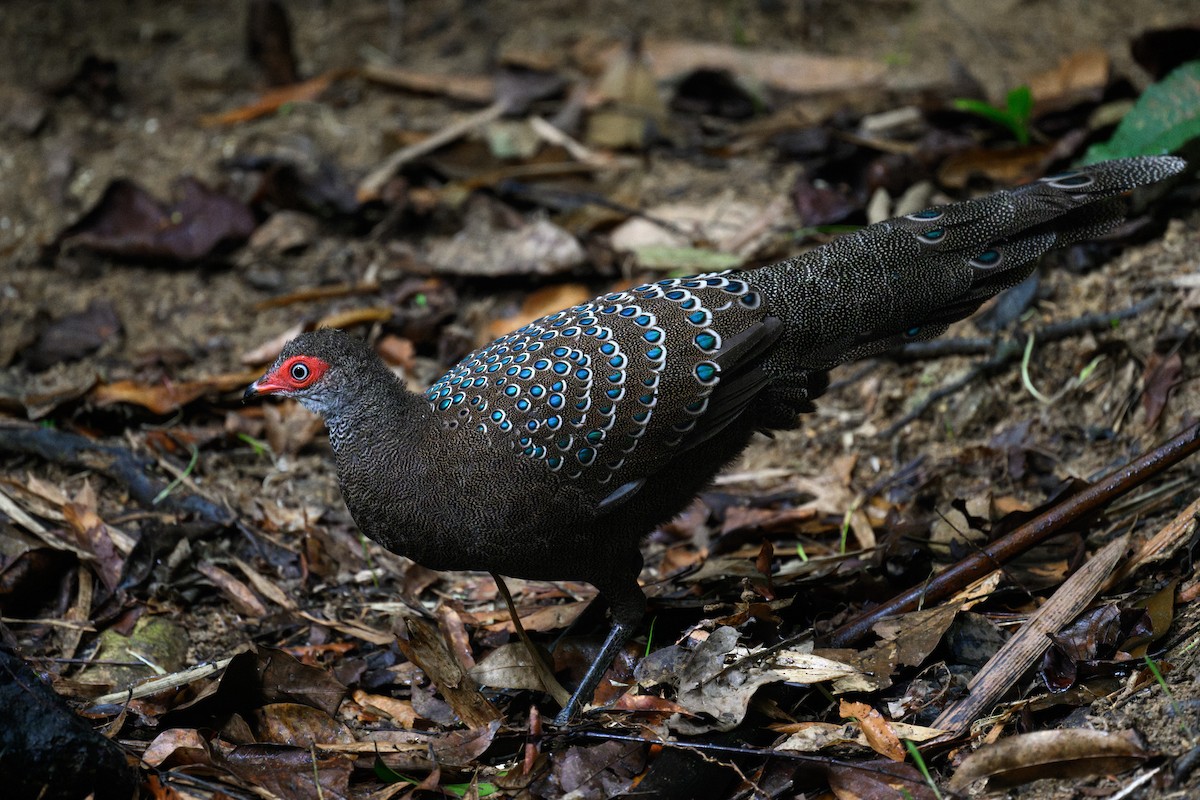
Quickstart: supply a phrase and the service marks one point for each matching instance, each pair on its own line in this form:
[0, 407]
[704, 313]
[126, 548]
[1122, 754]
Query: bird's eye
[300, 372]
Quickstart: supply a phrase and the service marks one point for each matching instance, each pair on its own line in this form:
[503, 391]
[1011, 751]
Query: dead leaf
[917, 633]
[630, 110]
[270, 102]
[128, 221]
[290, 427]
[284, 678]
[244, 601]
[478, 89]
[289, 771]
[538, 248]
[877, 780]
[400, 711]
[1068, 753]
[509, 666]
[165, 398]
[93, 535]
[1007, 166]
[177, 747]
[875, 728]
[540, 303]
[787, 70]
[1161, 376]
[424, 647]
[298, 725]
[1077, 77]
[73, 336]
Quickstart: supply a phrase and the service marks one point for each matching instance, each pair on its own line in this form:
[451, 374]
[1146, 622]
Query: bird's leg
[617, 637]
[628, 606]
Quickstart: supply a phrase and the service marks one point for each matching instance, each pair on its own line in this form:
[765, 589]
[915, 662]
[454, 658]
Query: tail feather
[911, 276]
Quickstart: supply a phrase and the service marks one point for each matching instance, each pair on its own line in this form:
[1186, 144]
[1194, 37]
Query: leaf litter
[182, 569]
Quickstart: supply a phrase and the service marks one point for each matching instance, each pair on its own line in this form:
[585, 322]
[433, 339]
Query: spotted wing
[582, 389]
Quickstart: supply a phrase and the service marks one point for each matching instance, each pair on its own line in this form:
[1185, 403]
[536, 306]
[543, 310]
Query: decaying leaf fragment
[1069, 753]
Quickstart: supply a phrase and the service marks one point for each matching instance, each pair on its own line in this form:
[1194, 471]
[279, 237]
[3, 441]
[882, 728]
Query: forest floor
[110, 330]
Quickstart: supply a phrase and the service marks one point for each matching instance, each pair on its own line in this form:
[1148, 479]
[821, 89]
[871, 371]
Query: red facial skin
[293, 375]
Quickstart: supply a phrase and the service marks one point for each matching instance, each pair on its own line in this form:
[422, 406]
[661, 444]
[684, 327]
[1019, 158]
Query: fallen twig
[1019, 653]
[1002, 353]
[1037, 530]
[116, 463]
[373, 184]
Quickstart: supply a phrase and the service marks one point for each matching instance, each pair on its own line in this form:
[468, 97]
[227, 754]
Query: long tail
[910, 277]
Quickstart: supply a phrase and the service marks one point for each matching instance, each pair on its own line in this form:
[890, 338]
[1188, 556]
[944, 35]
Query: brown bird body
[549, 453]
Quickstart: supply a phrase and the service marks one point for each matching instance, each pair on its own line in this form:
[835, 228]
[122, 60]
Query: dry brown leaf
[877, 730]
[1068, 753]
[917, 633]
[290, 427]
[1008, 166]
[264, 586]
[270, 102]
[425, 647]
[244, 601]
[355, 316]
[878, 780]
[451, 623]
[553, 617]
[539, 303]
[467, 88]
[509, 666]
[400, 711]
[788, 70]
[1078, 76]
[165, 398]
[398, 351]
[183, 746]
[298, 725]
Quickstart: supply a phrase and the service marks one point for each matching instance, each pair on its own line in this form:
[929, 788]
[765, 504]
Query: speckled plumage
[549, 453]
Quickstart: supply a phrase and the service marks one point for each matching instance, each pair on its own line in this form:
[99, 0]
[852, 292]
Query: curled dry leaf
[718, 695]
[1069, 753]
[177, 747]
[244, 601]
[809, 737]
[877, 730]
[400, 711]
[167, 397]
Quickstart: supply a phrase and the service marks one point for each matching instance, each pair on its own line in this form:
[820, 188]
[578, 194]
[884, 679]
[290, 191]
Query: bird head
[321, 369]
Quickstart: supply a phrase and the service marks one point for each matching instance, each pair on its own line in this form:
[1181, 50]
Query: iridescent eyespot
[930, 237]
[988, 259]
[1070, 180]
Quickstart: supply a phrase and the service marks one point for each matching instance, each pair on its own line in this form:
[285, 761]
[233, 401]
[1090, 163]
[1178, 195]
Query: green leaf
[1165, 117]
[1017, 111]
[389, 775]
[1020, 110]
